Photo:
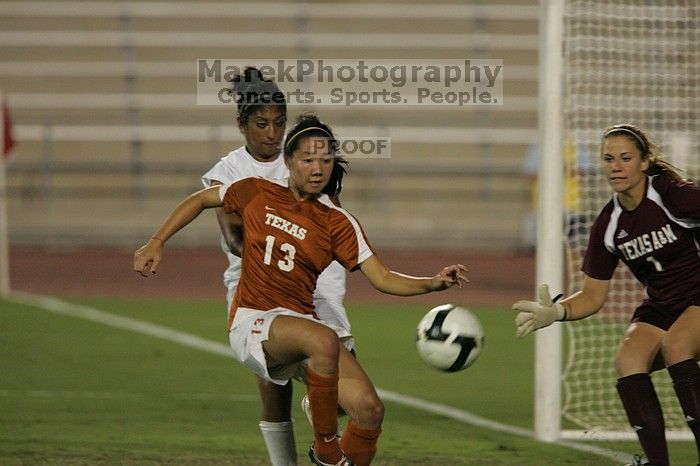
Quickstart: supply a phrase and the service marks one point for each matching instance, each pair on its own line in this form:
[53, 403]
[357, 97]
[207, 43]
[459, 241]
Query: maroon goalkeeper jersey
[659, 240]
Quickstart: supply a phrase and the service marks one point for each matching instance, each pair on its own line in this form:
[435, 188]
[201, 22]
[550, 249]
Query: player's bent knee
[325, 346]
[675, 350]
[627, 363]
[371, 411]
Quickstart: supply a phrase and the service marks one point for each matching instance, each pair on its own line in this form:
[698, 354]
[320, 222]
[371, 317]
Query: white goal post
[603, 63]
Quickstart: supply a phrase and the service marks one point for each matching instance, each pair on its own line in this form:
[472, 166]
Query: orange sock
[360, 445]
[323, 399]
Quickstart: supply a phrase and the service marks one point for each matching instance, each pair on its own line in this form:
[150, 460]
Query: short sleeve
[235, 196]
[222, 171]
[599, 263]
[349, 243]
[681, 197]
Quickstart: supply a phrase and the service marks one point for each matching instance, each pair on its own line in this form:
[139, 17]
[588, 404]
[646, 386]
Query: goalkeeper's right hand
[535, 315]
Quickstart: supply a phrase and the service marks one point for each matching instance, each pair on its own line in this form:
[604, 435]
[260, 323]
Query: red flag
[7, 136]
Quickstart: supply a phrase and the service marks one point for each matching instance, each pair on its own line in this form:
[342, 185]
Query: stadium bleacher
[103, 100]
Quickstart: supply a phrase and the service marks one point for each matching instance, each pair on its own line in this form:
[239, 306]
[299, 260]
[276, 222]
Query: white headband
[286, 145]
[627, 130]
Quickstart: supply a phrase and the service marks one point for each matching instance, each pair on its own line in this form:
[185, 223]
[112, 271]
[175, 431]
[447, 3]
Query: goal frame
[550, 260]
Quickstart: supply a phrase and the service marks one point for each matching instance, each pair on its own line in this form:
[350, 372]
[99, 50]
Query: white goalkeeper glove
[535, 315]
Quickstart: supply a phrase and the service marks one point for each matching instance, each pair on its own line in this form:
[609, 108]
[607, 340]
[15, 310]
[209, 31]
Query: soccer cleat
[306, 407]
[314, 459]
[638, 462]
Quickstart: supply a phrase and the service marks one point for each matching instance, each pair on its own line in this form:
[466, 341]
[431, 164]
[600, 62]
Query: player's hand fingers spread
[461, 274]
[457, 274]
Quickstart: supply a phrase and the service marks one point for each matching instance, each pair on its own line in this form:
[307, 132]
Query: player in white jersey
[263, 127]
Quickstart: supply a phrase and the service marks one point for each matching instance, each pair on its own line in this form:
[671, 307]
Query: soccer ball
[449, 338]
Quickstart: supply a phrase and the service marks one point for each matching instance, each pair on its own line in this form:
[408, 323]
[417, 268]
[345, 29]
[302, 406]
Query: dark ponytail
[251, 92]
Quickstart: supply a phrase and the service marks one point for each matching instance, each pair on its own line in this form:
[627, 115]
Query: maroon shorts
[662, 315]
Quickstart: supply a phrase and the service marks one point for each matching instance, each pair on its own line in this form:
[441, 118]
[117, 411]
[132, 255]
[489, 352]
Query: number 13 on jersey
[287, 262]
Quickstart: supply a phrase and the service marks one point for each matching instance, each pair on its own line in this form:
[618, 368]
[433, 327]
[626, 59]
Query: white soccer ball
[449, 338]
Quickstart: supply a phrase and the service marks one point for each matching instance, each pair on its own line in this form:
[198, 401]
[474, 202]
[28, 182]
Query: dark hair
[308, 125]
[648, 148]
[251, 92]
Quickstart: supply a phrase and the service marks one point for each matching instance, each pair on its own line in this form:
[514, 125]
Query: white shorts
[328, 298]
[251, 327]
[330, 291]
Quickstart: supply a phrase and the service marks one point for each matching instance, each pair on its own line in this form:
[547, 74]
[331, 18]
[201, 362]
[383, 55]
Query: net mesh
[625, 62]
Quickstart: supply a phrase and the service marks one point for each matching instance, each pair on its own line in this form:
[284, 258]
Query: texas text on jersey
[287, 243]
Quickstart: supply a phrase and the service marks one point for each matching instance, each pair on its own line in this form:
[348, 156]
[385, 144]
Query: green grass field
[74, 391]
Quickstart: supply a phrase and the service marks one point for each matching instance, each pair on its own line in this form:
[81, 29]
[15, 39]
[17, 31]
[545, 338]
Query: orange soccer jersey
[287, 243]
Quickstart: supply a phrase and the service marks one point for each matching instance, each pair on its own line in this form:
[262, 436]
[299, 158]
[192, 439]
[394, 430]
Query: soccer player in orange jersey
[262, 120]
[292, 232]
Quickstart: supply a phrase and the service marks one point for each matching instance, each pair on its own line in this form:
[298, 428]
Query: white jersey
[330, 286]
[234, 166]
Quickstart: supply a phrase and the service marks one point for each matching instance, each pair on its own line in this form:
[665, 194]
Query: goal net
[624, 62]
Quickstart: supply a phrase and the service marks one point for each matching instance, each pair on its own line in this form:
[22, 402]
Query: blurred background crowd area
[103, 98]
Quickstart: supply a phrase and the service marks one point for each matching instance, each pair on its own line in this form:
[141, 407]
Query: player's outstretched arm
[534, 315]
[390, 282]
[148, 256]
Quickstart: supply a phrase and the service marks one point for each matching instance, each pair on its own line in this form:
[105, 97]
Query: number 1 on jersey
[657, 264]
[287, 264]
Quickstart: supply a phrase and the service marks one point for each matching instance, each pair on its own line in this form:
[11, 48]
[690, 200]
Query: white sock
[280, 443]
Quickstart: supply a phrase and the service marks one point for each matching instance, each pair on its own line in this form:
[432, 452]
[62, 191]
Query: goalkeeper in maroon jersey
[652, 224]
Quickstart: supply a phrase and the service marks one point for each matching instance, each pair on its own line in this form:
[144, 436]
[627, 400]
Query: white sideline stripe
[95, 315]
[454, 413]
[478, 421]
[124, 395]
